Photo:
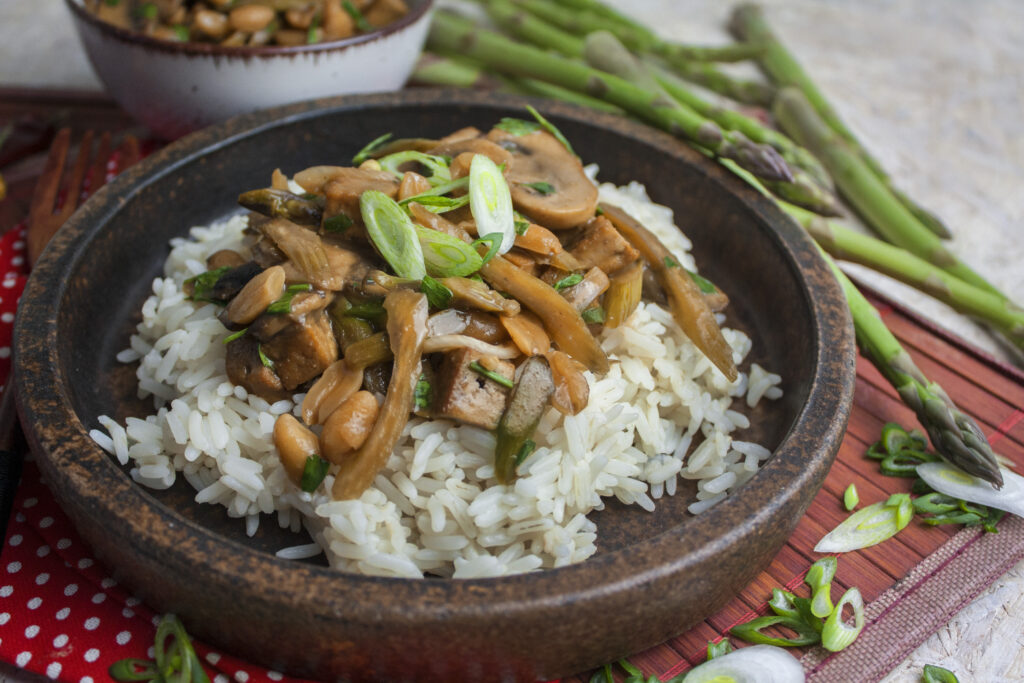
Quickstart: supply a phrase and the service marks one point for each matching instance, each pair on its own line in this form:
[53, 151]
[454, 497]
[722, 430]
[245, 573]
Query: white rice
[436, 508]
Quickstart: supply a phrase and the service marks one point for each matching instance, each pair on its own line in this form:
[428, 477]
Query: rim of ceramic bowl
[816, 428]
[417, 13]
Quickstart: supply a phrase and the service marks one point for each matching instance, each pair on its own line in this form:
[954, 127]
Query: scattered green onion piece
[954, 482]
[541, 187]
[603, 675]
[203, 284]
[568, 281]
[782, 604]
[904, 508]
[284, 304]
[313, 473]
[267, 363]
[445, 188]
[438, 203]
[528, 447]
[550, 127]
[803, 608]
[491, 201]
[175, 660]
[936, 674]
[438, 167]
[965, 518]
[876, 452]
[517, 127]
[935, 503]
[705, 285]
[894, 437]
[133, 670]
[850, 497]
[493, 242]
[181, 32]
[864, 528]
[438, 296]
[819, 578]
[232, 337]
[757, 664]
[367, 310]
[751, 632]
[522, 227]
[593, 316]
[719, 649]
[422, 394]
[393, 233]
[904, 463]
[447, 256]
[367, 152]
[671, 262]
[360, 21]
[489, 374]
[337, 224]
[837, 635]
[314, 32]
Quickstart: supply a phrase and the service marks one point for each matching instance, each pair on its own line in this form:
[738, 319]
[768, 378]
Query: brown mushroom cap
[539, 157]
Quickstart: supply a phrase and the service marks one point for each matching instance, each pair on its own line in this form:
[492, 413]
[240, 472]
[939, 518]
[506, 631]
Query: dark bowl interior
[655, 574]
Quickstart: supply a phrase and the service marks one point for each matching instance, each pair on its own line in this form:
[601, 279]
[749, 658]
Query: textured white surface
[934, 88]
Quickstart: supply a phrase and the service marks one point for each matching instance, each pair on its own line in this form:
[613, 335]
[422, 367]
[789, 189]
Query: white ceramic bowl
[176, 88]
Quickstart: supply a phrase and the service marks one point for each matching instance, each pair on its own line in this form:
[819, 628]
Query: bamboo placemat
[914, 583]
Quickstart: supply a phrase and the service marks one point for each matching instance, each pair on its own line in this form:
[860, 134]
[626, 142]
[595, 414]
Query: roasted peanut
[251, 18]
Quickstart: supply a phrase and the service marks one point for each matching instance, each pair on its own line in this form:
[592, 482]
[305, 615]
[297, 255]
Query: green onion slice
[760, 664]
[705, 285]
[438, 190]
[954, 482]
[803, 608]
[517, 127]
[284, 304]
[719, 649]
[524, 451]
[203, 284]
[493, 242]
[936, 674]
[850, 497]
[438, 296]
[447, 256]
[751, 632]
[819, 578]
[491, 201]
[232, 337]
[361, 23]
[550, 127]
[593, 315]
[499, 378]
[782, 604]
[313, 472]
[367, 152]
[837, 634]
[541, 187]
[568, 281]
[437, 166]
[267, 363]
[421, 396]
[393, 233]
[437, 203]
[866, 527]
[337, 224]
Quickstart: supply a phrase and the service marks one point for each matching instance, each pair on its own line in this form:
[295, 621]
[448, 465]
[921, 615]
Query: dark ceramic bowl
[655, 574]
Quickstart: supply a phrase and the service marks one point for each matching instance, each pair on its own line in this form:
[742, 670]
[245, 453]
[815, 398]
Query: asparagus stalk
[954, 435]
[748, 23]
[450, 33]
[849, 245]
[864, 190]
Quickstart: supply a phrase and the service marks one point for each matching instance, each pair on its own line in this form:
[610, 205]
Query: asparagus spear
[954, 435]
[863, 188]
[450, 33]
[748, 23]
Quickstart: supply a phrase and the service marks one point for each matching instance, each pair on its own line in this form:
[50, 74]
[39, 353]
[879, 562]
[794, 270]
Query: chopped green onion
[313, 33]
[904, 463]
[367, 310]
[850, 497]
[522, 227]
[671, 262]
[337, 224]
[593, 316]
[313, 473]
[894, 437]
[437, 166]
[760, 663]
[493, 242]
[866, 527]
[751, 632]
[181, 32]
[447, 256]
[130, 669]
[524, 451]
[541, 187]
[203, 284]
[174, 661]
[232, 337]
[491, 375]
[438, 190]
[630, 668]
[147, 10]
[550, 127]
[936, 674]
[705, 285]
[491, 202]
[953, 481]
[437, 203]
[904, 508]
[367, 152]
[438, 296]
[603, 675]
[393, 233]
[360, 21]
[719, 649]
[517, 127]
[782, 604]
[422, 394]
[935, 503]
[267, 363]
[819, 578]
[803, 608]
[284, 304]
[568, 281]
[837, 635]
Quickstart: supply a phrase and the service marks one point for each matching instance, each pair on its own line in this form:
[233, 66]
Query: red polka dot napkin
[62, 615]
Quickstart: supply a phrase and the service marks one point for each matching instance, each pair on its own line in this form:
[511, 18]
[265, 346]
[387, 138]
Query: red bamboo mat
[913, 583]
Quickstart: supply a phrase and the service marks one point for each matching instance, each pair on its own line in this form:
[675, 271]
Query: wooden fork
[46, 215]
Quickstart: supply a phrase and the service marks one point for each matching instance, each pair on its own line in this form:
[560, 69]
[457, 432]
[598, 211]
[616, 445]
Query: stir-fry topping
[462, 278]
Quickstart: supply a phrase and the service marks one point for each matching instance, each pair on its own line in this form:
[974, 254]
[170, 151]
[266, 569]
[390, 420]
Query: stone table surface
[933, 88]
